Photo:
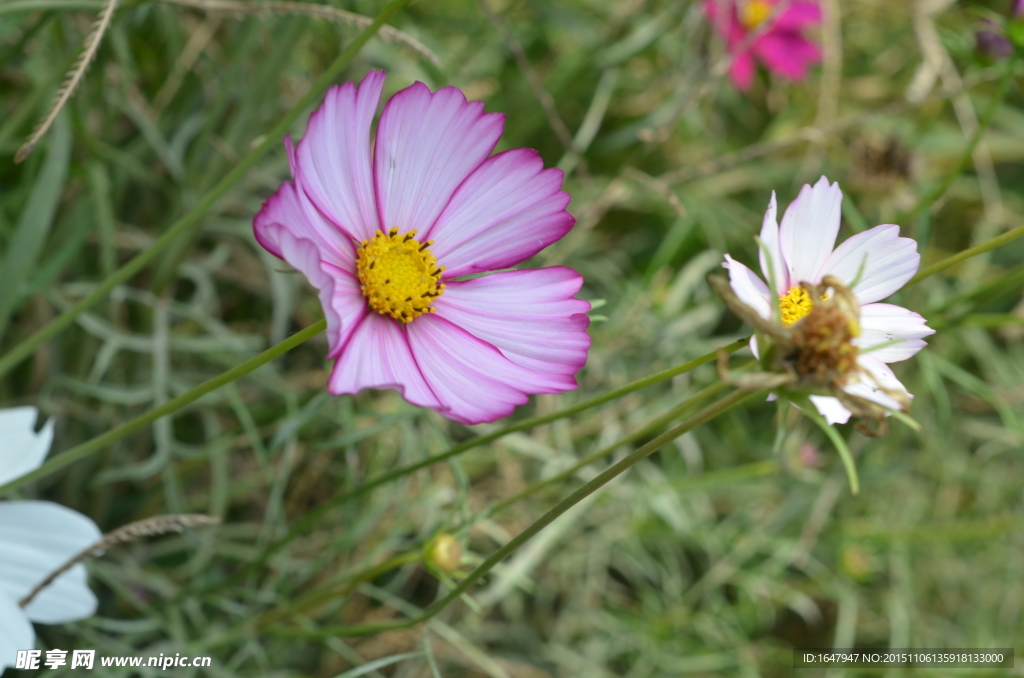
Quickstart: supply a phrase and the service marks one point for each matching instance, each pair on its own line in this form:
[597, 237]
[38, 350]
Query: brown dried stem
[387, 33]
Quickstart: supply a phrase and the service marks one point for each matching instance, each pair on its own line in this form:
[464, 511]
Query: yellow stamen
[398, 275]
[752, 13]
[795, 305]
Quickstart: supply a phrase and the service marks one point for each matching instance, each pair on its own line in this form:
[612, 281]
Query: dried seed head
[815, 354]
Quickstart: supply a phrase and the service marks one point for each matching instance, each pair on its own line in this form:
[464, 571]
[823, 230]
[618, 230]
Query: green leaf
[808, 410]
[1015, 31]
[33, 227]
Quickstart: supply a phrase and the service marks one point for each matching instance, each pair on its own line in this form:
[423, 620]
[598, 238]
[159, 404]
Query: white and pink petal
[809, 229]
[830, 408]
[292, 211]
[750, 289]
[773, 263]
[531, 316]
[304, 256]
[506, 211]
[377, 355]
[333, 163]
[346, 304]
[877, 260]
[474, 381]
[899, 333]
[427, 144]
[876, 377]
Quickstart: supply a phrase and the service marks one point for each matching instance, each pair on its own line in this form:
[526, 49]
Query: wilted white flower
[846, 346]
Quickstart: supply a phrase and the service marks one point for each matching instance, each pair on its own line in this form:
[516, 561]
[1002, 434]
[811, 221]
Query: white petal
[748, 287]
[809, 230]
[21, 448]
[37, 537]
[883, 376]
[778, 277]
[831, 409]
[883, 260]
[15, 632]
[903, 330]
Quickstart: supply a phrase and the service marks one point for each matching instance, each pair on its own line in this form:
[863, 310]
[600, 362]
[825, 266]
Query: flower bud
[444, 553]
[992, 44]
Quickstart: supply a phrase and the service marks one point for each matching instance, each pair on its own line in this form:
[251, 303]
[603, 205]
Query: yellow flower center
[398, 275]
[752, 13]
[795, 305]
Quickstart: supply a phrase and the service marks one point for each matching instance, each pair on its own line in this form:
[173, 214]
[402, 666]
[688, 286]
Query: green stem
[647, 429]
[935, 194]
[89, 447]
[341, 588]
[308, 520]
[708, 413]
[940, 266]
[809, 411]
[28, 346]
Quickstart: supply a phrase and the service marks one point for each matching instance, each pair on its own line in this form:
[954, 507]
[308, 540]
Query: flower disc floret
[824, 341]
[399, 275]
[795, 305]
[753, 13]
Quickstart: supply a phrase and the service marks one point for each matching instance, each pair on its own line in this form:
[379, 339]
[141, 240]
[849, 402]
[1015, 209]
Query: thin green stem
[647, 429]
[710, 412]
[89, 447]
[308, 520]
[343, 587]
[986, 246]
[1008, 283]
[28, 346]
[935, 194]
[811, 413]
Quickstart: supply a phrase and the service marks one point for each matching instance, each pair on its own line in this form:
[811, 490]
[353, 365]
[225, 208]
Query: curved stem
[339, 588]
[270, 140]
[708, 413]
[811, 413]
[307, 521]
[89, 447]
[932, 196]
[645, 430]
[940, 266]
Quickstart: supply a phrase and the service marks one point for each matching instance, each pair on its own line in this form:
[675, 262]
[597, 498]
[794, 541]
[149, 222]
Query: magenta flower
[782, 48]
[382, 230]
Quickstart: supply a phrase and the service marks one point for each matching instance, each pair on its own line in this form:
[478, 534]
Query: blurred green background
[712, 558]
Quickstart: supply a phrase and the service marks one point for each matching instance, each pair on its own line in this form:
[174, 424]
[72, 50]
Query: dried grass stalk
[387, 33]
[74, 77]
[150, 527]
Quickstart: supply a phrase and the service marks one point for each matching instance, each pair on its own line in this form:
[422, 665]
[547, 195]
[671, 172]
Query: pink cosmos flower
[874, 264]
[384, 230]
[782, 48]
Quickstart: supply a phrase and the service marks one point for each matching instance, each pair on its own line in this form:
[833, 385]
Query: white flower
[36, 537]
[874, 264]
